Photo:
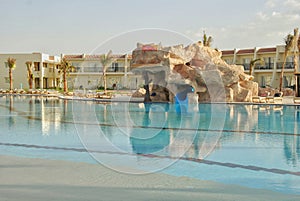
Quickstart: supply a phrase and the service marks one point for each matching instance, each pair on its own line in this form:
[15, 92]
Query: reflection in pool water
[252, 145]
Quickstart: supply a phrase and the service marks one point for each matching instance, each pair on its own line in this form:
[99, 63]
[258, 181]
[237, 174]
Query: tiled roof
[227, 52]
[246, 51]
[92, 56]
[263, 50]
[74, 56]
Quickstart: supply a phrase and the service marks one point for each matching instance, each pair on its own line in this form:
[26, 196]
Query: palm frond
[107, 59]
[288, 40]
[11, 62]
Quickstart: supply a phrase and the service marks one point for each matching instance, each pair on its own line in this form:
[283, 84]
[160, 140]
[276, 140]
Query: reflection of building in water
[39, 112]
[292, 149]
[51, 113]
[241, 117]
[171, 134]
[47, 111]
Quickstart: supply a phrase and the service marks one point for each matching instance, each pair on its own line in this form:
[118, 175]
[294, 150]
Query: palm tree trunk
[30, 81]
[282, 72]
[296, 57]
[10, 79]
[104, 81]
[147, 98]
[65, 81]
[251, 70]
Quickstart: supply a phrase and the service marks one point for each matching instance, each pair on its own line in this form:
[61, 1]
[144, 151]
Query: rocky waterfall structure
[195, 70]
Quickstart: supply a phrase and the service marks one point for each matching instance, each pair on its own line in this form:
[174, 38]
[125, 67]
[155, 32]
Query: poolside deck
[29, 179]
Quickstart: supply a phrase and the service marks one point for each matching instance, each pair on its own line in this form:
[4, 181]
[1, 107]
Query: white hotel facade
[88, 71]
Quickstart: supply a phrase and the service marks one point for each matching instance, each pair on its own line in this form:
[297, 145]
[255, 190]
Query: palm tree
[290, 44]
[29, 73]
[296, 43]
[207, 41]
[252, 63]
[296, 49]
[106, 60]
[66, 68]
[11, 66]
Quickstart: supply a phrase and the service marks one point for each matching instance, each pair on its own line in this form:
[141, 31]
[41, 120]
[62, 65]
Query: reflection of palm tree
[289, 150]
[30, 109]
[11, 120]
[11, 104]
[11, 66]
[65, 108]
[146, 117]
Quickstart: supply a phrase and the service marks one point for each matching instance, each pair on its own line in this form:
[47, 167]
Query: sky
[97, 26]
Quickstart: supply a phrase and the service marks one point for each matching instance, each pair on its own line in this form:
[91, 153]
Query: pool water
[255, 146]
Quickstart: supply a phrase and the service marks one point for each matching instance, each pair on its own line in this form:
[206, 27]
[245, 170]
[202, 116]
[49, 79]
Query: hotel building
[45, 71]
[88, 72]
[270, 67]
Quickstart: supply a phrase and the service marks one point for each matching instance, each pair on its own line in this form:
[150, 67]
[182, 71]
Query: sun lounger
[297, 100]
[277, 98]
[259, 99]
[270, 99]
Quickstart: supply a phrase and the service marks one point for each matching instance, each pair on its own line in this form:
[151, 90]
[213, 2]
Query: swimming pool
[256, 146]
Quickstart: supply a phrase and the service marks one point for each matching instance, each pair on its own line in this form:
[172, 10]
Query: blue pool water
[255, 146]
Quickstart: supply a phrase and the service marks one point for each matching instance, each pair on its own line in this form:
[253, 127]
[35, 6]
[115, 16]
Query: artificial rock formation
[170, 70]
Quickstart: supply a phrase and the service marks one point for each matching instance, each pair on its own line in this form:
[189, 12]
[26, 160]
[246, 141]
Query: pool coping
[141, 99]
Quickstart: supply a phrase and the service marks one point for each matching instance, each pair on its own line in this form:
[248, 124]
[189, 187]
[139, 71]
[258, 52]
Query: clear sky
[92, 26]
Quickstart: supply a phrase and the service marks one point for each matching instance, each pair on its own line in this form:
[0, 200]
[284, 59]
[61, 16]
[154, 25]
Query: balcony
[288, 65]
[88, 69]
[269, 66]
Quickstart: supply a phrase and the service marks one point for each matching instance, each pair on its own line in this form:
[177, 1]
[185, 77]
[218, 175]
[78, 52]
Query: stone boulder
[196, 65]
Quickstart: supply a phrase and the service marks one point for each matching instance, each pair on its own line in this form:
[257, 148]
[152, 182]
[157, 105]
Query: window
[268, 62]
[45, 65]
[246, 61]
[115, 66]
[36, 66]
[268, 59]
[265, 80]
[288, 81]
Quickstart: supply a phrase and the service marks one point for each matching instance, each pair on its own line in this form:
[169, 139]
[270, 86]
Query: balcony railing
[99, 69]
[288, 65]
[269, 66]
